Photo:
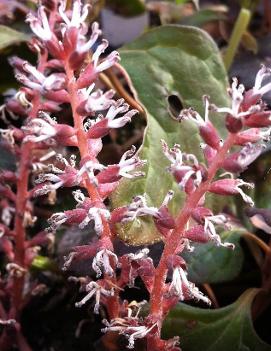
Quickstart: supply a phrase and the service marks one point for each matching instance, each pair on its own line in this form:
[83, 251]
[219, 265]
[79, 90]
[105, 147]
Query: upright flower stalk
[69, 64]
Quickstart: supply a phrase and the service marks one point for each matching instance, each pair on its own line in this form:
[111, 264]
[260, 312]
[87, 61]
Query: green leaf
[10, 37]
[212, 264]
[127, 8]
[202, 17]
[223, 329]
[43, 263]
[178, 2]
[183, 62]
[260, 174]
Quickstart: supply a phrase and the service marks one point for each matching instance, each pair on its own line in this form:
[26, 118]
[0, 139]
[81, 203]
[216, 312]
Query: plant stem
[21, 201]
[84, 146]
[258, 241]
[122, 91]
[239, 29]
[211, 295]
[173, 241]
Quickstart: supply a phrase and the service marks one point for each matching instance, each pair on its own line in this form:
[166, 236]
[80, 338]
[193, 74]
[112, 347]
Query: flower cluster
[67, 72]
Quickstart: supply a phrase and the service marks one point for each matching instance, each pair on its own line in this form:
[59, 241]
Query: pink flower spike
[181, 287]
[108, 62]
[132, 330]
[97, 101]
[259, 88]
[95, 33]
[102, 125]
[38, 81]
[101, 262]
[40, 26]
[43, 128]
[78, 15]
[75, 216]
[207, 130]
[100, 49]
[96, 215]
[128, 163]
[237, 96]
[184, 167]
[95, 289]
[231, 187]
[88, 168]
[40, 129]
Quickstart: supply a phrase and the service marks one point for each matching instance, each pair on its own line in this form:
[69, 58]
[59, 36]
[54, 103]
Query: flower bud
[258, 120]
[239, 161]
[233, 124]
[174, 261]
[231, 187]
[87, 77]
[210, 135]
[251, 135]
[209, 153]
[197, 234]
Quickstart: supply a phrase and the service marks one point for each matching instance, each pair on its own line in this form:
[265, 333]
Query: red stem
[84, 147]
[173, 242]
[21, 203]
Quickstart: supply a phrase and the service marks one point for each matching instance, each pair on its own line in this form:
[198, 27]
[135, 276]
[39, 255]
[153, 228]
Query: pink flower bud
[14, 106]
[87, 77]
[258, 120]
[253, 95]
[164, 221]
[17, 63]
[60, 96]
[146, 272]
[199, 214]
[250, 98]
[197, 234]
[128, 163]
[70, 40]
[75, 216]
[207, 130]
[231, 187]
[233, 124]
[99, 129]
[174, 261]
[251, 135]
[239, 161]
[184, 167]
[41, 28]
[210, 135]
[209, 153]
[118, 214]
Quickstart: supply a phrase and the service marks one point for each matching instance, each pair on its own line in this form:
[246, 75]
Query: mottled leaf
[209, 263]
[167, 64]
[223, 329]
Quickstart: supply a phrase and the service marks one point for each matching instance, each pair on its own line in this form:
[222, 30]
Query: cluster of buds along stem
[69, 64]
